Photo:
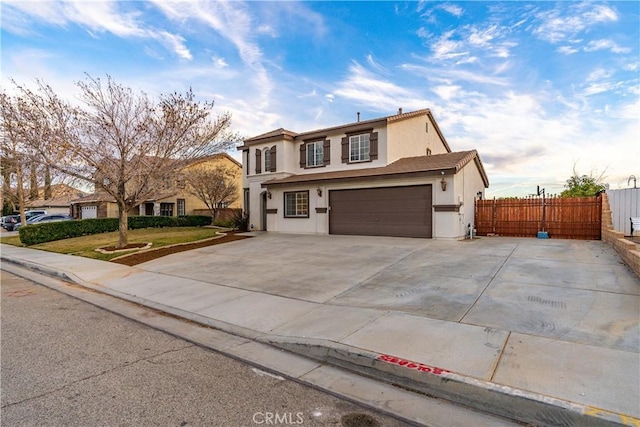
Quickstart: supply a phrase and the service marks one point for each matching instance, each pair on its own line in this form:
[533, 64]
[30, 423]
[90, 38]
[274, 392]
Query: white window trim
[311, 149]
[299, 196]
[181, 207]
[359, 141]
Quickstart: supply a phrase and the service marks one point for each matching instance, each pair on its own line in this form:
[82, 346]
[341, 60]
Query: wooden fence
[562, 218]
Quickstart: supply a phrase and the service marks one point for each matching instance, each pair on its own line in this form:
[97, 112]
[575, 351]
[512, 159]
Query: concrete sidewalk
[553, 379]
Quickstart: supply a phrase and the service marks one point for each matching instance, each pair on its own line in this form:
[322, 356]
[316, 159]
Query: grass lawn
[86, 245]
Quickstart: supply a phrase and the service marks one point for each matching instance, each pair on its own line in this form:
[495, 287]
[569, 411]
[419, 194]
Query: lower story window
[182, 211]
[166, 209]
[296, 204]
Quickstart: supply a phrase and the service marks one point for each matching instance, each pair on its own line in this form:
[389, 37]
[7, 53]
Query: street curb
[532, 408]
[508, 402]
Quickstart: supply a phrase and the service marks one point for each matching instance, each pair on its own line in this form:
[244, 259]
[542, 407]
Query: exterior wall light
[319, 191]
[443, 184]
[268, 194]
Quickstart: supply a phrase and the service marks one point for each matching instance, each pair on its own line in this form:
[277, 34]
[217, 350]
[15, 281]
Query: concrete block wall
[627, 249]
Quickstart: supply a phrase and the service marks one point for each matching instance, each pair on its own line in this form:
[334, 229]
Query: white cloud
[97, 17]
[232, 21]
[598, 74]
[447, 92]
[564, 22]
[596, 88]
[219, 62]
[605, 45]
[452, 9]
[175, 43]
[483, 37]
[364, 87]
[567, 50]
[453, 74]
[445, 48]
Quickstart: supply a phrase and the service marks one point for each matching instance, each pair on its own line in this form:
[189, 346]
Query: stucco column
[156, 209]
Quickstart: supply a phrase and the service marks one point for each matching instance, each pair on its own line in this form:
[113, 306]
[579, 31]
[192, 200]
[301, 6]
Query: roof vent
[399, 110]
[358, 113]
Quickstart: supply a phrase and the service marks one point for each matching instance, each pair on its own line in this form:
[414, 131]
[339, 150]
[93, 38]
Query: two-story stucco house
[392, 176]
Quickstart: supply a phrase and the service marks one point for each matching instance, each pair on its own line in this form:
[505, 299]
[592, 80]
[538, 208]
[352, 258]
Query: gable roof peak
[277, 132]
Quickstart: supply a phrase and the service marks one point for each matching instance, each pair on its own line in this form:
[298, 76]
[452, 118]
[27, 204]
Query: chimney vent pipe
[399, 110]
[358, 113]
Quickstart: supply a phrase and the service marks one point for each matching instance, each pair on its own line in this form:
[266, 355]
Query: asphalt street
[67, 362]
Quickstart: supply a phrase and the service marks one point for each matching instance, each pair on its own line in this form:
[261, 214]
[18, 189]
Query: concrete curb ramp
[509, 402]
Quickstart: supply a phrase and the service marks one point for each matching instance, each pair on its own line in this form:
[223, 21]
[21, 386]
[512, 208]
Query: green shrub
[48, 232]
[229, 223]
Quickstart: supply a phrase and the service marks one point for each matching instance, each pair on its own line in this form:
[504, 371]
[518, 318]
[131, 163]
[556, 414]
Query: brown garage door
[391, 211]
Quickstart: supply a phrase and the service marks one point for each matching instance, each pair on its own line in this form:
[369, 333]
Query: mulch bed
[139, 258]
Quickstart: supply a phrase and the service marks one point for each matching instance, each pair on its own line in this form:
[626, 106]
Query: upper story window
[258, 161]
[315, 154]
[267, 160]
[359, 148]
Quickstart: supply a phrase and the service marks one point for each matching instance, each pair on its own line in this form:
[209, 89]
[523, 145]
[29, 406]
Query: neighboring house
[60, 200]
[172, 199]
[392, 176]
[96, 205]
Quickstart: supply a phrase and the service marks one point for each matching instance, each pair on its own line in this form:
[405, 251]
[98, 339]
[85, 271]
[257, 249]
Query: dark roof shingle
[449, 163]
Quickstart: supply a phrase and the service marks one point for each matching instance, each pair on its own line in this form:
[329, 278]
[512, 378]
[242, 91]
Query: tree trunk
[20, 194]
[47, 183]
[33, 183]
[123, 226]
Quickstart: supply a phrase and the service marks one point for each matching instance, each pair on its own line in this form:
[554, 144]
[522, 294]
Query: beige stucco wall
[112, 210]
[192, 202]
[411, 137]
[461, 190]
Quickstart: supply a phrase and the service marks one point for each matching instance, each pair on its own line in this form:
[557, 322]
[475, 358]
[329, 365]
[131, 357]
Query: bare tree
[19, 159]
[216, 187]
[125, 143]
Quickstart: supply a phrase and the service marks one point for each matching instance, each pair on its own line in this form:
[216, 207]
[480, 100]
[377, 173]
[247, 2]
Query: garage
[387, 211]
[89, 212]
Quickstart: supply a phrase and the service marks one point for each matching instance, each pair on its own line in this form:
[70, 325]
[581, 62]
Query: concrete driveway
[578, 291]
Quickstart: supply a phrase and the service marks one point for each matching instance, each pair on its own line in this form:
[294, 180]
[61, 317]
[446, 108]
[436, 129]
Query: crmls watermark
[275, 418]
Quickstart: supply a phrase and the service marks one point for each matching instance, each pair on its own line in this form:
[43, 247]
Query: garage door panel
[390, 211]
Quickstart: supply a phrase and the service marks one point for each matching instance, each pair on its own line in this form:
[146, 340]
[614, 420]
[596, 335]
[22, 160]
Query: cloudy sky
[535, 87]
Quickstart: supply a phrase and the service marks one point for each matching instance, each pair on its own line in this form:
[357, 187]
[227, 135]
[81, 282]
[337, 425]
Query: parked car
[39, 219]
[34, 212]
[9, 221]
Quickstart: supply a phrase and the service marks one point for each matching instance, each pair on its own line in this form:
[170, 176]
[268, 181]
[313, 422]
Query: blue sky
[535, 87]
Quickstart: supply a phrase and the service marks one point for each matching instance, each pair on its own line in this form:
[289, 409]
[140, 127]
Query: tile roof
[448, 163]
[94, 197]
[283, 132]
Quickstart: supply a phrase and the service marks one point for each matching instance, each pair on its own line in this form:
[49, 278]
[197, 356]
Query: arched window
[267, 160]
